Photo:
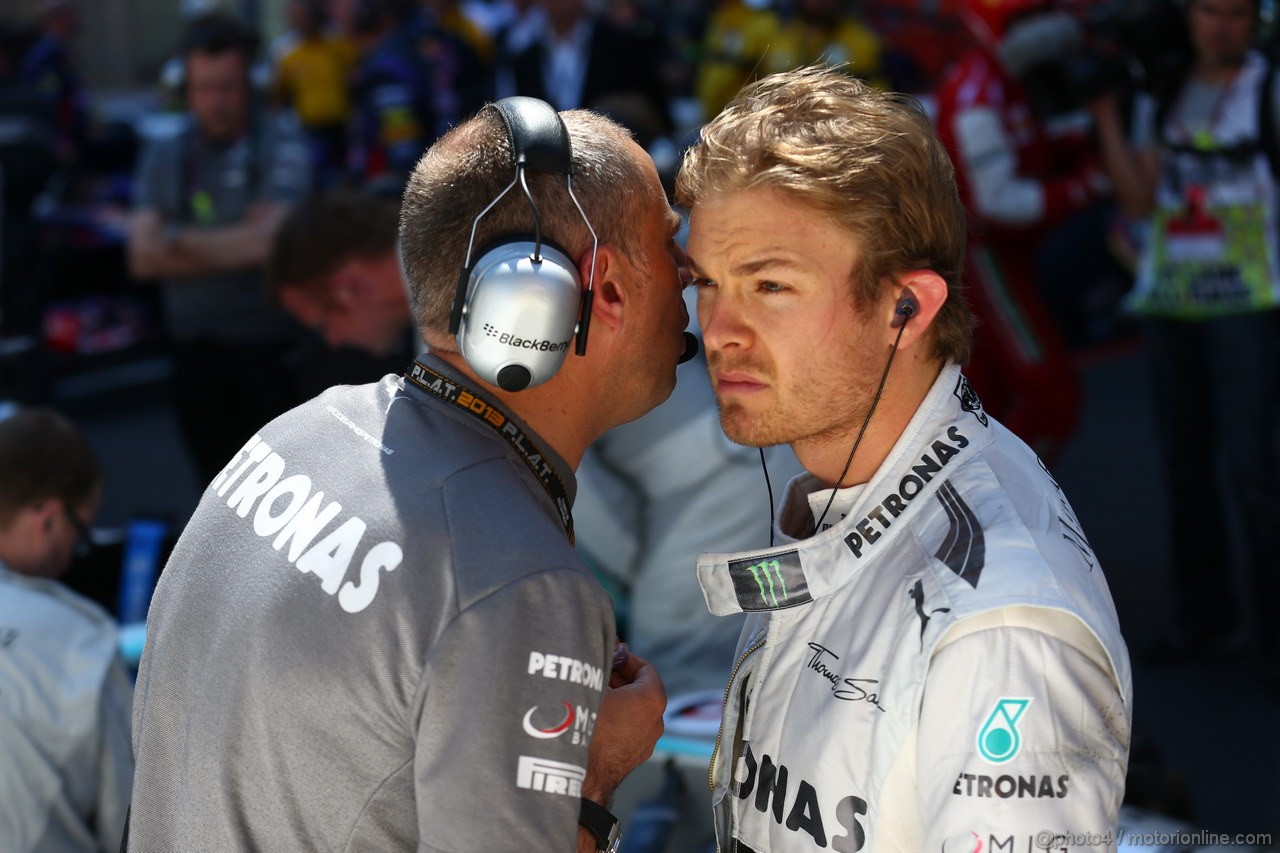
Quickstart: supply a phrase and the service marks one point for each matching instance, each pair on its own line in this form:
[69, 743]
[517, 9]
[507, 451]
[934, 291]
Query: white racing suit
[66, 766]
[940, 670]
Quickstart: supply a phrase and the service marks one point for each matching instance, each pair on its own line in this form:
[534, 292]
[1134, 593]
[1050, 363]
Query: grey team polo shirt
[373, 635]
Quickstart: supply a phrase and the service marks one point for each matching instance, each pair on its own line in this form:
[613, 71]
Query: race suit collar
[949, 427]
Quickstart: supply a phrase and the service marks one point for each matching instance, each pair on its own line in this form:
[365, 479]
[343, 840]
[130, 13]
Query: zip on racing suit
[941, 669]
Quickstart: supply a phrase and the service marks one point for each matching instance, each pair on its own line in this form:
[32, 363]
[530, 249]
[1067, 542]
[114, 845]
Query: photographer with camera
[1199, 167]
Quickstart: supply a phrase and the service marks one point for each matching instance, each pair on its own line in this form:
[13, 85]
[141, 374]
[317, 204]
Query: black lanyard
[472, 403]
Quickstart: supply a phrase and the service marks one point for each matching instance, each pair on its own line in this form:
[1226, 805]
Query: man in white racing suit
[67, 767]
[931, 659]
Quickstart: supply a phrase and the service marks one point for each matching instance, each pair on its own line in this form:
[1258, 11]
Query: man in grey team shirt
[207, 202]
[374, 633]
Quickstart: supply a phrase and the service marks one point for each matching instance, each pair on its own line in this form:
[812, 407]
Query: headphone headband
[539, 139]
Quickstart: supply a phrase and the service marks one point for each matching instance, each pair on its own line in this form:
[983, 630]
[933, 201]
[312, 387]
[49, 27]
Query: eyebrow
[751, 267]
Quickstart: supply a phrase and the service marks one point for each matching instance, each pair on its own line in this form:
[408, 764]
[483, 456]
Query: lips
[735, 382]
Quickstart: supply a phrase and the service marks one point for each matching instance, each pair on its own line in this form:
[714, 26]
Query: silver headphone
[520, 303]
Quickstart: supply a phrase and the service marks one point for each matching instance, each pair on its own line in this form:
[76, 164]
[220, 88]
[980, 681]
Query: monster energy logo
[763, 582]
[765, 572]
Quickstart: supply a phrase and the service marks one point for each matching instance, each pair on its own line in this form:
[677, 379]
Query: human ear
[919, 296]
[610, 298]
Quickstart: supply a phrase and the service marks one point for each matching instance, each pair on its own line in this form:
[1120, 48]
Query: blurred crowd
[244, 227]
[352, 92]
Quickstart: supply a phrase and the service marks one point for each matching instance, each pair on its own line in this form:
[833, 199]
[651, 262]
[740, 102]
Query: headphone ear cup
[518, 317]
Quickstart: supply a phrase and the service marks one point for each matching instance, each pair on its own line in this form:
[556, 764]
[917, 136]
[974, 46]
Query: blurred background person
[423, 68]
[1018, 180]
[512, 25]
[460, 55]
[312, 78]
[335, 268]
[394, 114]
[571, 57]
[1201, 167]
[464, 21]
[207, 201]
[737, 31]
[747, 40]
[172, 78]
[459, 61]
[49, 68]
[67, 772]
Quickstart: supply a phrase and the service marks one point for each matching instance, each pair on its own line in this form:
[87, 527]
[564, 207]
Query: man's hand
[627, 727]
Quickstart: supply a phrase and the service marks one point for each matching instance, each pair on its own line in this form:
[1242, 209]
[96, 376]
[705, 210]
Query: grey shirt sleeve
[510, 695]
[157, 179]
[1021, 735]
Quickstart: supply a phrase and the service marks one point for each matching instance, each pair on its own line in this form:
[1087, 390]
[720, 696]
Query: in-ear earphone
[520, 302]
[907, 308]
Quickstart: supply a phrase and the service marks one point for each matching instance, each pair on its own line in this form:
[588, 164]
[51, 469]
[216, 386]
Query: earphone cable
[861, 432]
[769, 487]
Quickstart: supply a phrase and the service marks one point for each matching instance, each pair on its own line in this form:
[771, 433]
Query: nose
[723, 323]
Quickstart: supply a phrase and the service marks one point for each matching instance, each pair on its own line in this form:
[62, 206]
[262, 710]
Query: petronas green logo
[999, 739]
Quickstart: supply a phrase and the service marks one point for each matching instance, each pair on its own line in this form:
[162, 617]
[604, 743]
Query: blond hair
[870, 159]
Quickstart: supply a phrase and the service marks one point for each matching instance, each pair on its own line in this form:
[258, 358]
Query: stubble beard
[742, 429]
[822, 422]
[736, 420]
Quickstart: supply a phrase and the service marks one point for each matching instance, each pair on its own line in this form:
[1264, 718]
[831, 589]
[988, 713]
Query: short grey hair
[466, 170]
